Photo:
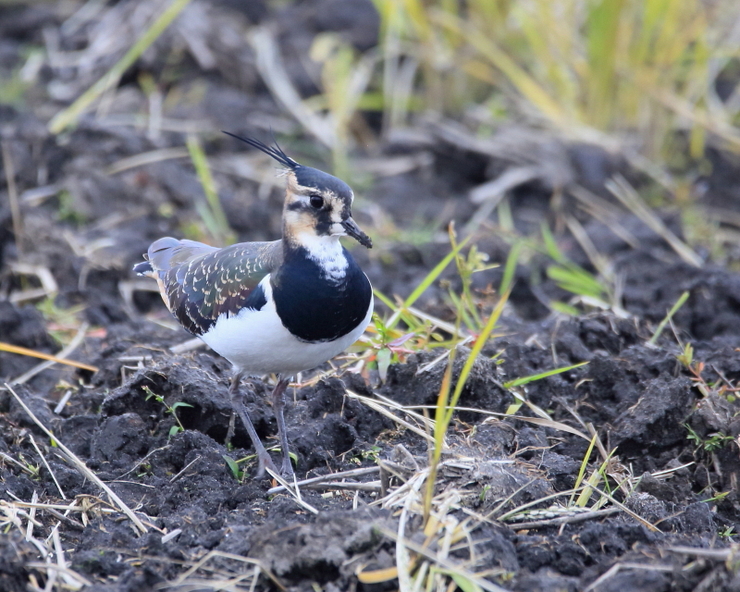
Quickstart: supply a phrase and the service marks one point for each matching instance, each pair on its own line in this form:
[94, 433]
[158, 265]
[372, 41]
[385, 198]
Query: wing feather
[199, 283]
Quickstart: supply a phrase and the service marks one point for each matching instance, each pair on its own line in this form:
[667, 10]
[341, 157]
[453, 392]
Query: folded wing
[199, 283]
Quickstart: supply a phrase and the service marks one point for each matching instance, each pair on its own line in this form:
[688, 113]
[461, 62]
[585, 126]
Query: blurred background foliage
[647, 74]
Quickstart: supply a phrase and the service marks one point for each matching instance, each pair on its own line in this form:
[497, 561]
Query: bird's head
[317, 204]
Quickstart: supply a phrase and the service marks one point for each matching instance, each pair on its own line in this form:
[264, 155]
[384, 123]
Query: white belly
[256, 342]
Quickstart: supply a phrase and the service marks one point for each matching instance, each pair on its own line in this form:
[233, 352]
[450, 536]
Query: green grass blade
[527, 85]
[384, 299]
[576, 280]
[211, 211]
[674, 309]
[551, 246]
[411, 322]
[527, 379]
[510, 269]
[427, 281]
[480, 342]
[584, 466]
[71, 114]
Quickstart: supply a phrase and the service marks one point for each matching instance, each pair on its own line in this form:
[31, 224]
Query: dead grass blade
[270, 66]
[540, 421]
[489, 194]
[701, 117]
[52, 509]
[146, 158]
[604, 212]
[510, 515]
[448, 565]
[615, 569]
[403, 559]
[49, 286]
[24, 351]
[625, 193]
[79, 465]
[626, 510]
[293, 490]
[78, 579]
[383, 406]
[715, 554]
[72, 346]
[71, 114]
[324, 479]
[185, 580]
[32, 516]
[46, 464]
[549, 423]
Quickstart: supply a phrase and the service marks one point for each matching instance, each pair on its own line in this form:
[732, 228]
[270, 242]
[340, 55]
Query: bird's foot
[264, 462]
[286, 469]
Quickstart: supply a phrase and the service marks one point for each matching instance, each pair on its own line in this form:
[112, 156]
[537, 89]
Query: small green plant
[34, 471]
[686, 359]
[598, 476]
[391, 346]
[401, 312]
[67, 212]
[466, 303]
[144, 470]
[720, 388]
[711, 443]
[171, 409]
[589, 290]
[372, 454]
[421, 331]
[234, 468]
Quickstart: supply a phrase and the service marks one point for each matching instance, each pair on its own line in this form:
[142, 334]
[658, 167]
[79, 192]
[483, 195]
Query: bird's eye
[316, 201]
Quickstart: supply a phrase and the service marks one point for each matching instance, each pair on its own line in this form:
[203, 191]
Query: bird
[283, 306]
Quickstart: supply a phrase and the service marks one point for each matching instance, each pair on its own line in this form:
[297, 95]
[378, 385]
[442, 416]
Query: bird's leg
[237, 403]
[278, 405]
[233, 393]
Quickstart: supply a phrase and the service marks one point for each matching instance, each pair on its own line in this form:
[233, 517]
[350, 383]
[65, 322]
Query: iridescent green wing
[199, 283]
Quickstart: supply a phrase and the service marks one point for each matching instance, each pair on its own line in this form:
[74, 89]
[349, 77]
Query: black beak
[354, 231]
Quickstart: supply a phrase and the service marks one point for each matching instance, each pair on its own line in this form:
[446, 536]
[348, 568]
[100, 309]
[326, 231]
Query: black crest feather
[275, 151]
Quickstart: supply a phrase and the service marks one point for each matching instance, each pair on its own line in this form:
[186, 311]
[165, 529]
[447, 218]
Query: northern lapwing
[273, 307]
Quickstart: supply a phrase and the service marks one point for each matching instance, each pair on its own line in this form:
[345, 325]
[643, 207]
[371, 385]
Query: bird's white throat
[327, 251]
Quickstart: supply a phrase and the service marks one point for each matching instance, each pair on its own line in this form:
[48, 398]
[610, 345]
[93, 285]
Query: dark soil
[672, 436]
